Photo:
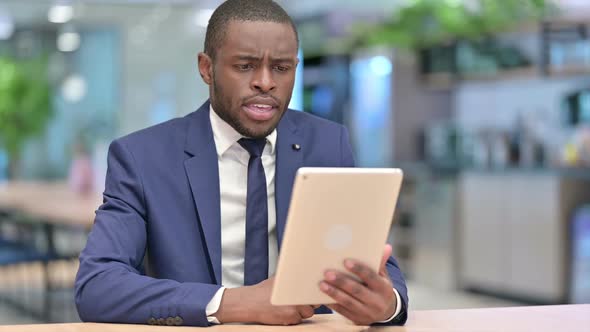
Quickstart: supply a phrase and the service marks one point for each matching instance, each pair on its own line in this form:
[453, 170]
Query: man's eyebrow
[283, 59]
[245, 57]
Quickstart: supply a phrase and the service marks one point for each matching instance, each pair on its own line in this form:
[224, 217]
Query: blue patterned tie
[256, 258]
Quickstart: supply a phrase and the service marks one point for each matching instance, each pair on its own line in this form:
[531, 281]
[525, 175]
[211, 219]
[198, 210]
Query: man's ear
[206, 68]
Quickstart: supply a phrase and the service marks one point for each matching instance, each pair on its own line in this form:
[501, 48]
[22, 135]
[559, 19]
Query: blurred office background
[485, 105]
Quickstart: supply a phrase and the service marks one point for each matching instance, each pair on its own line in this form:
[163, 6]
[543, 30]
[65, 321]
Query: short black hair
[242, 10]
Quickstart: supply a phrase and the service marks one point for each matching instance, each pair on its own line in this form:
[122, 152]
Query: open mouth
[259, 111]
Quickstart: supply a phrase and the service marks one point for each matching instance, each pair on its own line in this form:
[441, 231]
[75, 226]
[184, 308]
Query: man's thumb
[386, 254]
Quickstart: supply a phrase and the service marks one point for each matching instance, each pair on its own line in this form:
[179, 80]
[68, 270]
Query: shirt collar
[225, 135]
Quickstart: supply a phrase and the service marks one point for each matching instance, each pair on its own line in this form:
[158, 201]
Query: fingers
[305, 311]
[286, 315]
[351, 286]
[294, 319]
[342, 310]
[363, 301]
[292, 315]
[371, 278]
[386, 254]
[345, 300]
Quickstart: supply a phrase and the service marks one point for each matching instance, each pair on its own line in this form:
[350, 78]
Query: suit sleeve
[110, 286]
[396, 275]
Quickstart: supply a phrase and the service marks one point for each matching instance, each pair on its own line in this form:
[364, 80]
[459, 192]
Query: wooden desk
[572, 318]
[49, 207]
[51, 202]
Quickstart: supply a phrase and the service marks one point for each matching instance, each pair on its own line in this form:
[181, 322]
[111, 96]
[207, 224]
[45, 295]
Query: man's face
[252, 76]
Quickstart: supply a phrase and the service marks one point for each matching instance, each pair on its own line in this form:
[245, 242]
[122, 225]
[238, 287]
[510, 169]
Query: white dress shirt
[233, 160]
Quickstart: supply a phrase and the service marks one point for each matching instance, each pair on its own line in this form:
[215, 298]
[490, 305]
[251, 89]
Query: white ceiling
[35, 11]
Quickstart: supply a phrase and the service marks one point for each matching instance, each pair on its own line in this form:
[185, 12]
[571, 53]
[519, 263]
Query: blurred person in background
[81, 174]
[194, 208]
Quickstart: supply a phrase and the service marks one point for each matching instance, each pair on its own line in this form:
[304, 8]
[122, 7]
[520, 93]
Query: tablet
[335, 213]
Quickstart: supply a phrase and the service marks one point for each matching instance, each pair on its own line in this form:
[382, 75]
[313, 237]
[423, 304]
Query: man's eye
[282, 68]
[244, 67]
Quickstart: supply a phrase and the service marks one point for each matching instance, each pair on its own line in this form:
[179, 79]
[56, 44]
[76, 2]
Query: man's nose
[263, 80]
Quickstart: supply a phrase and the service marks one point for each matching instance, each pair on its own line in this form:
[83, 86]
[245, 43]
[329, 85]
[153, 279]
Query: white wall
[159, 60]
[167, 57]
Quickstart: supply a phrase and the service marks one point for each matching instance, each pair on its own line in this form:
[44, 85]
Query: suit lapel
[202, 170]
[288, 161]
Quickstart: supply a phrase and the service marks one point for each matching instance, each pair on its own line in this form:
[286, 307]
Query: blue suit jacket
[161, 210]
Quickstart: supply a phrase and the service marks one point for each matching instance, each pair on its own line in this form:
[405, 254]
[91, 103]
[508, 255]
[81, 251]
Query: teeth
[262, 106]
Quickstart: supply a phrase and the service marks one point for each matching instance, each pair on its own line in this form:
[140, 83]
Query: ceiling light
[60, 14]
[74, 88]
[6, 26]
[68, 41]
[381, 65]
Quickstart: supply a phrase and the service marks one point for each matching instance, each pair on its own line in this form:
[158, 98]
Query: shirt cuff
[398, 307]
[214, 304]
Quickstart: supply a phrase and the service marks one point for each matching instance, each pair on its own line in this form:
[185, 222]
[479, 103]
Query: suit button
[170, 321]
[161, 321]
[152, 321]
[178, 321]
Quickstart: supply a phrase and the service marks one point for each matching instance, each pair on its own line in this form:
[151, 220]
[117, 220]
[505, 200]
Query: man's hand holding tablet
[332, 250]
[364, 302]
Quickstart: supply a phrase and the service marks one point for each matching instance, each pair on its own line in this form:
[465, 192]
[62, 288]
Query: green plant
[25, 103]
[425, 23]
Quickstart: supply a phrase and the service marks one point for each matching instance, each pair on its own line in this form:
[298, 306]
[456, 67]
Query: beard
[221, 104]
